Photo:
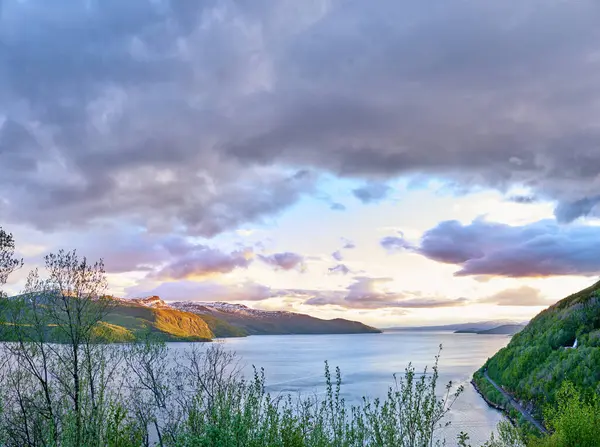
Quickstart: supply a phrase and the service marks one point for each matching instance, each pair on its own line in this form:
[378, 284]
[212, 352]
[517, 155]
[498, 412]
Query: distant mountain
[562, 343]
[506, 329]
[192, 321]
[261, 322]
[462, 327]
[127, 320]
[219, 328]
[166, 323]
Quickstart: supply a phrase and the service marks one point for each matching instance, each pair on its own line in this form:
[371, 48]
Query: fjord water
[295, 363]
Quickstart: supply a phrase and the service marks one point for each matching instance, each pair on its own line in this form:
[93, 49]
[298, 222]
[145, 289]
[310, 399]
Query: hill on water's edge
[462, 327]
[234, 320]
[128, 319]
[562, 343]
[261, 322]
[505, 329]
[166, 324]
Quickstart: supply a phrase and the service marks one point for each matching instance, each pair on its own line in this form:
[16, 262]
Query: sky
[397, 163]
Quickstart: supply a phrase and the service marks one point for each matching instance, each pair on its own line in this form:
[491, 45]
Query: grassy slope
[166, 324]
[125, 322]
[536, 361]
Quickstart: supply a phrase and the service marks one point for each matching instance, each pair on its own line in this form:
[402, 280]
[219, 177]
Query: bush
[574, 421]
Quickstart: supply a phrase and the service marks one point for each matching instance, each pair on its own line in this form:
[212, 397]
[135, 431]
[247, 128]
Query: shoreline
[493, 405]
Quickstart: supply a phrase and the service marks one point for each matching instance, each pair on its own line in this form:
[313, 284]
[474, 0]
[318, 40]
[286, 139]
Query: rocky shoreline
[493, 405]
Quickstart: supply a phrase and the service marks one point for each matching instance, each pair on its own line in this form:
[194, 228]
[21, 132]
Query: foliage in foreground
[574, 420]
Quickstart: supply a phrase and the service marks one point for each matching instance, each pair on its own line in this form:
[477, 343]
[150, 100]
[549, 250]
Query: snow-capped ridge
[151, 301]
[226, 308]
[206, 307]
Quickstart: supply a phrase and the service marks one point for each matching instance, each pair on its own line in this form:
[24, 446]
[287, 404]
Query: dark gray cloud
[83, 122]
[521, 296]
[123, 248]
[198, 115]
[569, 211]
[203, 261]
[372, 192]
[523, 199]
[128, 249]
[337, 255]
[284, 261]
[340, 269]
[365, 293]
[543, 248]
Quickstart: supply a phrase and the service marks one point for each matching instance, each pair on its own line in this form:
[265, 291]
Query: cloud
[337, 207]
[339, 269]
[204, 116]
[522, 296]
[204, 291]
[368, 293]
[123, 248]
[348, 244]
[371, 192]
[523, 199]
[539, 249]
[203, 262]
[569, 211]
[284, 261]
[395, 243]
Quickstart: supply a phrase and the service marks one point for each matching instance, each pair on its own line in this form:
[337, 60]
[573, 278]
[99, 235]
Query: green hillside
[540, 358]
[126, 322]
[221, 328]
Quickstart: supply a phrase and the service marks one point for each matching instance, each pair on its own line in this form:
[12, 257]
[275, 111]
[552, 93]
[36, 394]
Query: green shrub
[574, 420]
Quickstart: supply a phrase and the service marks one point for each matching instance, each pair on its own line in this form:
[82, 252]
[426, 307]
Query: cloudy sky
[399, 163]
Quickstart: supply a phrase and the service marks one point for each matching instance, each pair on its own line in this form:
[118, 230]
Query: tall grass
[244, 414]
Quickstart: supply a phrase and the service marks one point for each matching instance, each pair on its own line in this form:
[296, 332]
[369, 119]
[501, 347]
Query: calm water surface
[294, 363]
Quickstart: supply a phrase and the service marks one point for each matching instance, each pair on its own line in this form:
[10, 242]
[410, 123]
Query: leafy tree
[507, 436]
[574, 420]
[60, 393]
[8, 262]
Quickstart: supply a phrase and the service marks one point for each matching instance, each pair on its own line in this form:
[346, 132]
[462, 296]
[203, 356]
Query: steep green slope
[541, 357]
